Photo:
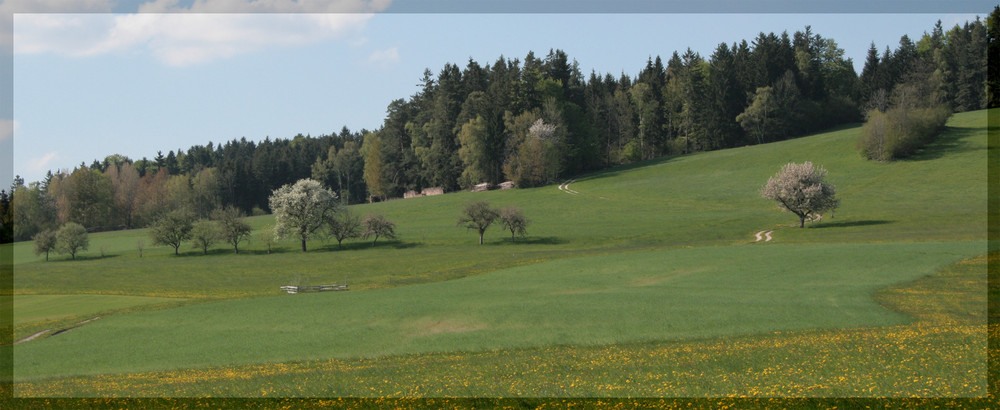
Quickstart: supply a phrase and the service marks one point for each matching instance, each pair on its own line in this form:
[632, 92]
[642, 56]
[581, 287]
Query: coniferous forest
[533, 120]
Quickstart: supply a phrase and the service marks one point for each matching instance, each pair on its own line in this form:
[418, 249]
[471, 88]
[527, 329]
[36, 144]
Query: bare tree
[378, 225]
[800, 189]
[514, 221]
[479, 216]
[342, 226]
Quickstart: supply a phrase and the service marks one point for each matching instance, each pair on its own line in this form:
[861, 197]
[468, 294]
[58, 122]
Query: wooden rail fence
[320, 288]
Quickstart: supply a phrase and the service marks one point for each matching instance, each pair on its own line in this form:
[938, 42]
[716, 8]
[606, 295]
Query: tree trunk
[802, 222]
[303, 245]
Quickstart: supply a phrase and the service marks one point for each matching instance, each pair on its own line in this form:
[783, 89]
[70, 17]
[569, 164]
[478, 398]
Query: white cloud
[385, 57]
[56, 6]
[7, 129]
[181, 36]
[40, 164]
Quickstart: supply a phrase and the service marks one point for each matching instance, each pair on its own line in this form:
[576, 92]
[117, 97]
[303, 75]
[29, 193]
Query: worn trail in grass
[942, 353]
[605, 267]
[676, 294]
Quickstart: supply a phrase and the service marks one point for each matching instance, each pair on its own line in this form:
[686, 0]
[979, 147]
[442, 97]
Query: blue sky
[86, 85]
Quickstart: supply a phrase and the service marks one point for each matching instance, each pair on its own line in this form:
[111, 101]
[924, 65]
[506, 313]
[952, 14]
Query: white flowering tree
[300, 209]
[800, 189]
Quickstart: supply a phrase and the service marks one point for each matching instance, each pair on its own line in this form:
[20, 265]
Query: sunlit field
[648, 283]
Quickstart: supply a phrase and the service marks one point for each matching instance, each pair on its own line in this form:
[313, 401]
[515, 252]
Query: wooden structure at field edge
[320, 288]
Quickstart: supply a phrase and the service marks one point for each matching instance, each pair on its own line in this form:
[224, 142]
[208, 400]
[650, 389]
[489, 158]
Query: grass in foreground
[941, 354]
[665, 295]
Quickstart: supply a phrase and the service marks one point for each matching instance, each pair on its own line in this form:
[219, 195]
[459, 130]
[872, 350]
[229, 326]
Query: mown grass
[41, 308]
[629, 217]
[942, 353]
[662, 295]
[696, 200]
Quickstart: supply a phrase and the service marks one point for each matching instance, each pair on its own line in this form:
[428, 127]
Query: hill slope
[618, 266]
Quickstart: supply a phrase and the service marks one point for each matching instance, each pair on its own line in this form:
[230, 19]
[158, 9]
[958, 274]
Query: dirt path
[765, 235]
[32, 337]
[60, 331]
[565, 187]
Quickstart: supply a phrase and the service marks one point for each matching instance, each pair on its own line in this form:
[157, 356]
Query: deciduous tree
[71, 239]
[513, 220]
[343, 225]
[172, 228]
[800, 189]
[45, 242]
[378, 226]
[479, 216]
[204, 234]
[302, 208]
[232, 228]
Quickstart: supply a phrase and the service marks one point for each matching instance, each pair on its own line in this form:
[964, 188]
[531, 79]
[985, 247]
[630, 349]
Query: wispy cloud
[7, 129]
[180, 36]
[384, 58]
[56, 6]
[40, 164]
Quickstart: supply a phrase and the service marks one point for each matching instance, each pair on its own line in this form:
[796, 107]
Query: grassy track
[41, 308]
[653, 252]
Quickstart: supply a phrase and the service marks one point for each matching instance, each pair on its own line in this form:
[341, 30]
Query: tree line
[531, 121]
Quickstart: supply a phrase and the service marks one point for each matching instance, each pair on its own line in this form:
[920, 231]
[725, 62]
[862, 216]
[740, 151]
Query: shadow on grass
[362, 245]
[949, 141]
[79, 257]
[264, 251]
[530, 240]
[847, 224]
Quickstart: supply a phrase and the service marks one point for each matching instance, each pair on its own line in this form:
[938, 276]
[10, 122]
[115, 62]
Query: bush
[900, 131]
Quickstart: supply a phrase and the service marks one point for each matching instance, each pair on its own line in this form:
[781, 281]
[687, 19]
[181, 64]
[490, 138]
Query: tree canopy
[800, 189]
[302, 208]
[479, 122]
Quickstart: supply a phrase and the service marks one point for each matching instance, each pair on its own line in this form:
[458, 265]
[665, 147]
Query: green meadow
[654, 257]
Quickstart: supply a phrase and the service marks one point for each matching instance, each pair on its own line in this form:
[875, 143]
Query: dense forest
[530, 121]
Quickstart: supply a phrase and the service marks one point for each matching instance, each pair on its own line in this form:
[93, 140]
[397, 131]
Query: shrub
[900, 131]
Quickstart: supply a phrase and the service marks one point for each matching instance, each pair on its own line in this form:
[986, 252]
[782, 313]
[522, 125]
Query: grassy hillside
[651, 252]
[696, 200]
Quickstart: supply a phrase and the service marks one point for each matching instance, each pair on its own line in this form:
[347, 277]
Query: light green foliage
[473, 152]
[172, 229]
[204, 234]
[72, 238]
[45, 242]
[900, 131]
[536, 161]
[232, 227]
[757, 118]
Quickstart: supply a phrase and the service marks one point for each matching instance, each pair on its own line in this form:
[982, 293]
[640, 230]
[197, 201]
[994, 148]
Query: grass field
[653, 257]
[43, 308]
